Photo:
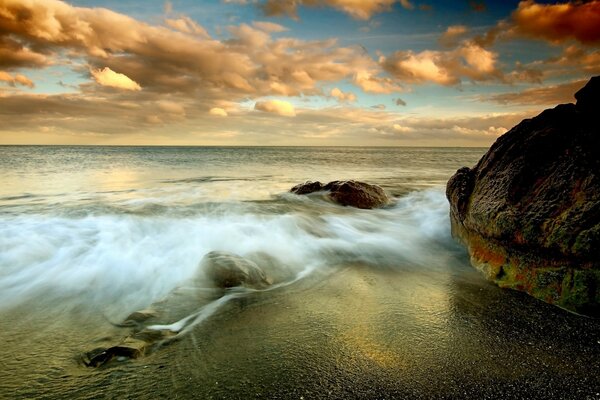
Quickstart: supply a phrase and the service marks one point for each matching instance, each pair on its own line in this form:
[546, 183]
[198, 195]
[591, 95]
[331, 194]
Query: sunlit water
[365, 303]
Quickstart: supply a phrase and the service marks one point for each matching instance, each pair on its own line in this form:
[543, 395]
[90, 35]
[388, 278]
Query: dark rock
[529, 211]
[307, 187]
[131, 347]
[347, 193]
[229, 270]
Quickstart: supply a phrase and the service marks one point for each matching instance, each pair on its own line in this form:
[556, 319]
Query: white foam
[128, 261]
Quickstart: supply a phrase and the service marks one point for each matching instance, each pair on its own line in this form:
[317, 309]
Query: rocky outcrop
[529, 211]
[227, 270]
[347, 193]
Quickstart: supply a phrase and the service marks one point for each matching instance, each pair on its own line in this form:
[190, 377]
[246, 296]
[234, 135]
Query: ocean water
[364, 303]
[123, 226]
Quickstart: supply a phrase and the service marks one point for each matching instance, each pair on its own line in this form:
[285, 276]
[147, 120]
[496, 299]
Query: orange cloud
[371, 83]
[218, 111]
[13, 54]
[180, 60]
[18, 78]
[108, 77]
[450, 37]
[407, 4]
[187, 25]
[343, 96]
[444, 67]
[543, 96]
[559, 22]
[279, 107]
[358, 9]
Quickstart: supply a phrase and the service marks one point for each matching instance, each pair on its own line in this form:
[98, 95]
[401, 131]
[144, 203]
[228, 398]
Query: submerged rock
[227, 270]
[529, 211]
[347, 193]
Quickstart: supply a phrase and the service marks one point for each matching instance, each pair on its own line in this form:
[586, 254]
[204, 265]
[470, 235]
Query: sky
[287, 72]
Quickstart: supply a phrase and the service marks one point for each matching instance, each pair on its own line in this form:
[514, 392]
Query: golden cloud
[218, 111]
[187, 25]
[343, 96]
[278, 107]
[110, 78]
[452, 34]
[179, 58]
[18, 78]
[358, 9]
[470, 61]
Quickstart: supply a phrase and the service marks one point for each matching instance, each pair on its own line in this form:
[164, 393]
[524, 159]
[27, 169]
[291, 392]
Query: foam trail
[185, 324]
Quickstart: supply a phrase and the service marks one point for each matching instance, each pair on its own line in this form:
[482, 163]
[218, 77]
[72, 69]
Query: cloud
[400, 102]
[92, 120]
[402, 129]
[544, 96]
[276, 107]
[187, 25]
[171, 108]
[269, 26]
[407, 4]
[574, 58]
[477, 6]
[372, 83]
[218, 112]
[14, 54]
[16, 79]
[559, 22]
[108, 77]
[164, 60]
[357, 9]
[426, 66]
[454, 32]
[554, 23]
[341, 96]
[447, 68]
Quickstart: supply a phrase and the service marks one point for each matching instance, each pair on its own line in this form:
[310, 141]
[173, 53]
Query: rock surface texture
[529, 211]
[347, 193]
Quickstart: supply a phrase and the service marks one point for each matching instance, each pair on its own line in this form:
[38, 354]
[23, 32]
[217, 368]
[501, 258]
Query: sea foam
[125, 261]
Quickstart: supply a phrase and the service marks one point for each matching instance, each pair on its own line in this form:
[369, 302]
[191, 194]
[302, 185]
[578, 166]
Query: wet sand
[356, 331]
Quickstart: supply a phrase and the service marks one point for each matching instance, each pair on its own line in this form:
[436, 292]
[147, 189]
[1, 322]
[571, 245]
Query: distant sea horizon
[249, 146]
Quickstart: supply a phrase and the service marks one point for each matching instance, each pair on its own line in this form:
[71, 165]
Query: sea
[373, 304]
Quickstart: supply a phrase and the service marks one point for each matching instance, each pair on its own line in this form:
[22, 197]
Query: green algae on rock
[529, 211]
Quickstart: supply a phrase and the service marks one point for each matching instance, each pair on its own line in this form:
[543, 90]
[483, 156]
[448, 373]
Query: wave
[124, 262]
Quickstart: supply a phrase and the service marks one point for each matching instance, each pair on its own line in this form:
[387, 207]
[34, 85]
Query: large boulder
[347, 193]
[529, 211]
[227, 270]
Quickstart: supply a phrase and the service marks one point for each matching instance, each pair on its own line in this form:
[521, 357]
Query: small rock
[307, 187]
[347, 193]
[227, 270]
